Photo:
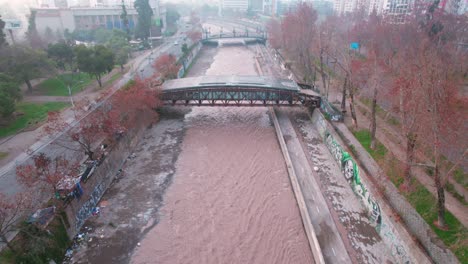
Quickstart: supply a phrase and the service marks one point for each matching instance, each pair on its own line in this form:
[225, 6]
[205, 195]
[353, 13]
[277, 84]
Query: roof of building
[269, 82]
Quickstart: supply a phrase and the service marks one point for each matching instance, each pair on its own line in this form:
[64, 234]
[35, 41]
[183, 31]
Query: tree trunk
[351, 107]
[440, 197]
[373, 125]
[322, 73]
[28, 83]
[98, 78]
[343, 95]
[8, 243]
[410, 145]
[121, 67]
[90, 154]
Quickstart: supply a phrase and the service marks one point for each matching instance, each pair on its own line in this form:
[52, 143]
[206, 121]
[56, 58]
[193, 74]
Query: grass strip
[456, 235]
[33, 113]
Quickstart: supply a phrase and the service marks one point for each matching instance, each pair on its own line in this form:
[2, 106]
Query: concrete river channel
[207, 185]
[230, 200]
[211, 185]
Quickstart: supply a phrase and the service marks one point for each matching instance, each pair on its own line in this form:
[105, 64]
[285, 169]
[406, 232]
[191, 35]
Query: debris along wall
[394, 236]
[79, 209]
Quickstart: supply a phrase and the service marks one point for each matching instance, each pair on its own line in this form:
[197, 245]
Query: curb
[307, 222]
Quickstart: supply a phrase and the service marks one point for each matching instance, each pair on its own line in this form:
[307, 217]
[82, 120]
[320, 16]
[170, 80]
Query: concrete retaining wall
[394, 235]
[188, 61]
[307, 222]
[79, 209]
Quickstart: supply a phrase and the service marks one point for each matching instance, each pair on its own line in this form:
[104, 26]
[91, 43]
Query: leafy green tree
[171, 14]
[124, 18]
[32, 35]
[61, 53]
[95, 61]
[67, 35]
[119, 46]
[145, 13]
[9, 95]
[49, 35]
[25, 64]
[121, 57]
[102, 35]
[185, 49]
[2, 34]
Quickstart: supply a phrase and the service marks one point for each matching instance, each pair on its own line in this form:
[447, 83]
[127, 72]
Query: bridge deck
[236, 90]
[231, 81]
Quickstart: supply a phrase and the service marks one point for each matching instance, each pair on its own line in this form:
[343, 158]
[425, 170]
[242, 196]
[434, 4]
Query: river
[230, 200]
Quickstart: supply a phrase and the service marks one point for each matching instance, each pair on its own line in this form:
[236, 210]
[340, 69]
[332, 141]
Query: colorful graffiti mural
[350, 171]
[330, 111]
[87, 208]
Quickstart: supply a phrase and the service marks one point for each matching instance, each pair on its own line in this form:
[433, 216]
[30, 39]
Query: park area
[29, 115]
[58, 86]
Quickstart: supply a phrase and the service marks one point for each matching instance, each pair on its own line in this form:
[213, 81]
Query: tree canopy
[31, 34]
[9, 94]
[25, 64]
[145, 13]
[61, 53]
[125, 22]
[172, 15]
[95, 61]
[2, 34]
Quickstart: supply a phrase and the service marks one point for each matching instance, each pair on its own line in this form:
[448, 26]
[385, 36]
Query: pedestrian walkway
[22, 145]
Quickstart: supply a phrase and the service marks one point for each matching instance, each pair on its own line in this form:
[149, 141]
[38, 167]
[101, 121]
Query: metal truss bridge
[235, 90]
[246, 36]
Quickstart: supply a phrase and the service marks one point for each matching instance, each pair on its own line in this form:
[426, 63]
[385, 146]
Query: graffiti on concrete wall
[351, 173]
[87, 208]
[188, 61]
[330, 111]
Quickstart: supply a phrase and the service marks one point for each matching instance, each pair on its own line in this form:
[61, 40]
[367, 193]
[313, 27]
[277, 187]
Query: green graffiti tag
[351, 173]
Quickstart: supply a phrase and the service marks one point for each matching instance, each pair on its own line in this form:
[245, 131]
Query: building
[376, 5]
[256, 5]
[397, 11]
[235, 5]
[87, 18]
[459, 7]
[344, 6]
[324, 8]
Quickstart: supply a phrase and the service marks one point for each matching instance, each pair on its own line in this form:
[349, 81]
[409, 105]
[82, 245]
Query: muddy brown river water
[230, 200]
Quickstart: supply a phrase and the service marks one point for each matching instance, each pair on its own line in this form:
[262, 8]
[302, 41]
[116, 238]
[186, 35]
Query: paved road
[172, 45]
[141, 66]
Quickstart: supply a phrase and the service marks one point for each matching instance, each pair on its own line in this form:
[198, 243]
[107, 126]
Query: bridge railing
[238, 96]
[234, 35]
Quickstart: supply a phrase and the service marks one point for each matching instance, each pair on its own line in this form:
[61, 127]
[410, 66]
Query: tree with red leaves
[12, 213]
[166, 67]
[194, 35]
[373, 74]
[442, 112]
[46, 170]
[138, 101]
[273, 28]
[85, 134]
[194, 19]
[299, 31]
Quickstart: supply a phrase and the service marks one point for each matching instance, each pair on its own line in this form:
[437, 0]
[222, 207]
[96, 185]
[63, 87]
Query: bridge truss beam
[238, 96]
